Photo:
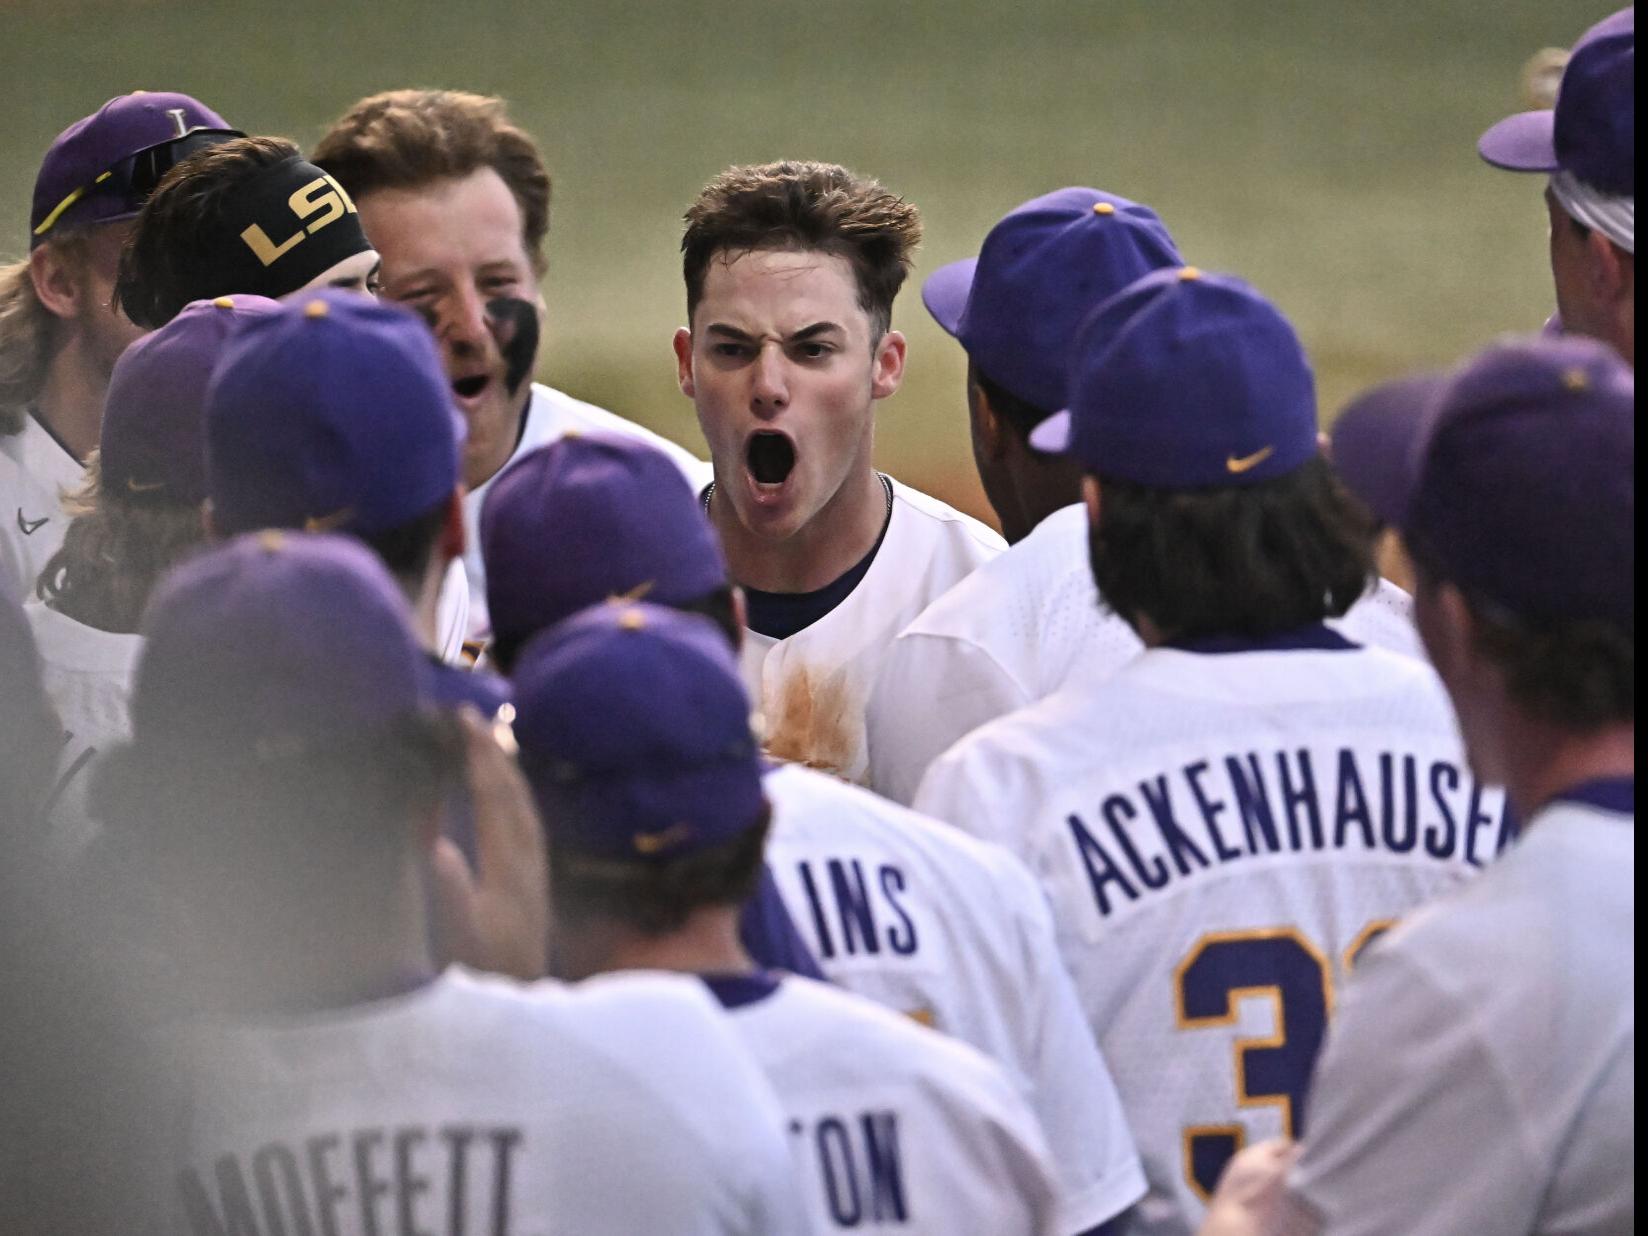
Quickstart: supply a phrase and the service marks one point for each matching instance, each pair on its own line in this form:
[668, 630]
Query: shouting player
[1226, 820]
[60, 331]
[1501, 1018]
[281, 782]
[896, 907]
[791, 271]
[635, 735]
[455, 197]
[1586, 147]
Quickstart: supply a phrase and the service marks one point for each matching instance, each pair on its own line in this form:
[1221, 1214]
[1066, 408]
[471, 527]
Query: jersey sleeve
[1412, 1126]
[959, 789]
[931, 691]
[1094, 1157]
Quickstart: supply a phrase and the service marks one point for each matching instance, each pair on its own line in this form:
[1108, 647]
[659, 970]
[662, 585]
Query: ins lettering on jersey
[1165, 829]
[856, 908]
[412, 1180]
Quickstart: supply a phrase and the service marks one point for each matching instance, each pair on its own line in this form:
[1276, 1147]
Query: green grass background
[1324, 149]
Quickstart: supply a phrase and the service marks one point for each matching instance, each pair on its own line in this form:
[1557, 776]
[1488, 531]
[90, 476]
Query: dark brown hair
[404, 139]
[1234, 560]
[655, 898]
[806, 206]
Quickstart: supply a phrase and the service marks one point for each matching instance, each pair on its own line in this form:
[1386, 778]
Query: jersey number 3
[1272, 1070]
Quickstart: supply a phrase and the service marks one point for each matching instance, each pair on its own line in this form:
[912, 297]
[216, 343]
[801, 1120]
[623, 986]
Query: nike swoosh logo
[30, 526]
[133, 485]
[1238, 466]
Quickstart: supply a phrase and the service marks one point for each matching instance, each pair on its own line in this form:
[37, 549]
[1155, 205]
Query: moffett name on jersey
[1211, 813]
[408, 1181]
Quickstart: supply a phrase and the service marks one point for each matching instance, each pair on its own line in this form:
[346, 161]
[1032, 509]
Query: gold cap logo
[653, 843]
[1237, 466]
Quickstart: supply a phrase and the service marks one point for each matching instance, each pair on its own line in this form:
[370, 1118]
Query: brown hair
[27, 331]
[807, 206]
[404, 139]
[113, 554]
[169, 259]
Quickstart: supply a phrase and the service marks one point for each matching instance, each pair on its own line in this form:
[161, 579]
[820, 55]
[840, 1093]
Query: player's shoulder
[812, 806]
[941, 520]
[69, 645]
[553, 413]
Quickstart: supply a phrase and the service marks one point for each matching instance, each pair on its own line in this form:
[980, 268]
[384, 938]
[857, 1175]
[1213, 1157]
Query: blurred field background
[1324, 149]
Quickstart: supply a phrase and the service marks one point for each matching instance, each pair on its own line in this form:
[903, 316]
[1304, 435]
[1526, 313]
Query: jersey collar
[735, 991]
[1317, 637]
[1615, 794]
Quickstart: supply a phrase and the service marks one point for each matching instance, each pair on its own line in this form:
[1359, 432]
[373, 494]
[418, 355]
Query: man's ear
[57, 282]
[887, 373]
[989, 433]
[683, 362]
[454, 537]
[1612, 270]
[1091, 494]
[1447, 628]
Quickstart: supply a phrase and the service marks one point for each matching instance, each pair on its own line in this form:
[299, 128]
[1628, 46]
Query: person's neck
[1039, 489]
[70, 403]
[1541, 761]
[478, 470]
[817, 554]
[707, 943]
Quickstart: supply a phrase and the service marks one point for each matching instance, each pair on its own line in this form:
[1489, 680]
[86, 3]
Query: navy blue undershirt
[735, 991]
[1316, 637]
[1616, 794]
[779, 615]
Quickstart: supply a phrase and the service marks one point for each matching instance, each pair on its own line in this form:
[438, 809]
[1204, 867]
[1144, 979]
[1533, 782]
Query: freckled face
[782, 367]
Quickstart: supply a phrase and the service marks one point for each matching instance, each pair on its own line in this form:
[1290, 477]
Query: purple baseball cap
[103, 167]
[153, 446]
[1591, 132]
[1513, 475]
[273, 644]
[332, 413]
[588, 518]
[635, 732]
[1016, 307]
[1186, 380]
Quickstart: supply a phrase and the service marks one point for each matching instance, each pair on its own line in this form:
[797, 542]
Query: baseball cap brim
[1052, 436]
[946, 291]
[1375, 443]
[1521, 143]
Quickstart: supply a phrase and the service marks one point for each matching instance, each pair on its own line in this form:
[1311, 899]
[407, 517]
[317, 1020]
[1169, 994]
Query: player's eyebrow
[800, 336]
[813, 331]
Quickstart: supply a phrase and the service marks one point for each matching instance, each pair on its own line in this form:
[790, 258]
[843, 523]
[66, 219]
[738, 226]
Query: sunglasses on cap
[134, 178]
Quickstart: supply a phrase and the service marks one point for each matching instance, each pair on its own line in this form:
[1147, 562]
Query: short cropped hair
[406, 139]
[168, 261]
[811, 207]
[1249, 560]
[651, 897]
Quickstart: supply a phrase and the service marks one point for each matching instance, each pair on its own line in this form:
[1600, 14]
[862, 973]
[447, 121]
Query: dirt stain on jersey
[814, 719]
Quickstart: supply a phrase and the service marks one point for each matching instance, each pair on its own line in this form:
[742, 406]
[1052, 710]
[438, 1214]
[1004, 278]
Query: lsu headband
[282, 228]
[1613, 216]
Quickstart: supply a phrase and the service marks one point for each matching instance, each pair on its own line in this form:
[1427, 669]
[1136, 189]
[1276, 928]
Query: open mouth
[468, 388]
[770, 456]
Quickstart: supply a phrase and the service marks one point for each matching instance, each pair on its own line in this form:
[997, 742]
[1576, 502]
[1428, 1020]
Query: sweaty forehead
[447, 225]
[780, 291]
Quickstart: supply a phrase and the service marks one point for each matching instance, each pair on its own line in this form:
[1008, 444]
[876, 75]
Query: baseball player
[1016, 629]
[62, 333]
[137, 514]
[456, 199]
[791, 270]
[635, 737]
[1225, 821]
[279, 780]
[1586, 148]
[1500, 1018]
[907, 911]
[247, 215]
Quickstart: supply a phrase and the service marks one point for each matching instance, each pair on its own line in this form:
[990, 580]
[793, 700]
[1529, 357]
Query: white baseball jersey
[1219, 833]
[87, 674]
[811, 688]
[893, 1127]
[34, 472]
[954, 932]
[1014, 632]
[1481, 1074]
[474, 1105]
[551, 415]
[452, 613]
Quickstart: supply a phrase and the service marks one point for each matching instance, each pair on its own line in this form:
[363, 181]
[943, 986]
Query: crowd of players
[437, 805]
